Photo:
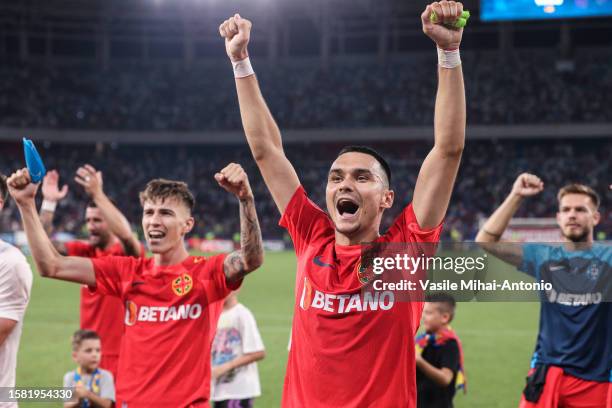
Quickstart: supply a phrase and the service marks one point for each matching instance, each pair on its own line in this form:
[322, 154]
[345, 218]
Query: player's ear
[189, 223]
[387, 199]
[446, 317]
[596, 217]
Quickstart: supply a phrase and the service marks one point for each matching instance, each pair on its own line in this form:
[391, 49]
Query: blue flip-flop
[33, 160]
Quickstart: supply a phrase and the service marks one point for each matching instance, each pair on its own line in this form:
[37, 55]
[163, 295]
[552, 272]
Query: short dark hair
[80, 336]
[371, 152]
[3, 188]
[576, 188]
[446, 301]
[162, 189]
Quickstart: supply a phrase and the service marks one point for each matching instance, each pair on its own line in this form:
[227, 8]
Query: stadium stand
[488, 169]
[530, 87]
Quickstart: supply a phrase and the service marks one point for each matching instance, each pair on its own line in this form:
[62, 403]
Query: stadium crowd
[351, 93]
[487, 171]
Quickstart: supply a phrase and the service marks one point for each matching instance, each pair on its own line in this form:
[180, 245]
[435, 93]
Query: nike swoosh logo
[136, 283]
[317, 261]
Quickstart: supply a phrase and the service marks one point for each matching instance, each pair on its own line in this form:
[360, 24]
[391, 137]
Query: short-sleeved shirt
[575, 329]
[95, 309]
[237, 334]
[430, 394]
[106, 383]
[170, 321]
[347, 349]
[15, 287]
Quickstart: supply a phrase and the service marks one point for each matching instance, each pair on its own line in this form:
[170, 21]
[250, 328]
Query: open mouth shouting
[347, 208]
[156, 236]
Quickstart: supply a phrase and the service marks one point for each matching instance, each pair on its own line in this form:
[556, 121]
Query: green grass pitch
[498, 338]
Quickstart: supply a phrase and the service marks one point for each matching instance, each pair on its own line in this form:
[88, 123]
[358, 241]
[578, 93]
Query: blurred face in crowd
[97, 228]
[577, 217]
[357, 194]
[88, 354]
[434, 317]
[165, 223]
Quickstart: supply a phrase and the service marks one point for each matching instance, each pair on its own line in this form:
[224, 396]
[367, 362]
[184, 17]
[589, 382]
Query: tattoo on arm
[250, 255]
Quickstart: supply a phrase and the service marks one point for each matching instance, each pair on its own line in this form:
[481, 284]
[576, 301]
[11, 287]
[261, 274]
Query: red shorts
[110, 363]
[565, 391]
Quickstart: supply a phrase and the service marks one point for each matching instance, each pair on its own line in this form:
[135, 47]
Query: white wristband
[48, 205]
[243, 68]
[449, 58]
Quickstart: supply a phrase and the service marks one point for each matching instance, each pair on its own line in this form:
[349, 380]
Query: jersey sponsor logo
[574, 299]
[345, 303]
[319, 262]
[131, 311]
[306, 295]
[182, 285]
[134, 313]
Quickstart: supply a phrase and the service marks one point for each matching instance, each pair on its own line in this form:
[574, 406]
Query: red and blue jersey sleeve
[114, 274]
[406, 228]
[78, 248]
[214, 272]
[305, 221]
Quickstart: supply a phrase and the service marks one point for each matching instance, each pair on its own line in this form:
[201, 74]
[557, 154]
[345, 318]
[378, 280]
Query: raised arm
[437, 175]
[52, 195]
[91, 180]
[48, 261]
[250, 256]
[489, 236]
[262, 133]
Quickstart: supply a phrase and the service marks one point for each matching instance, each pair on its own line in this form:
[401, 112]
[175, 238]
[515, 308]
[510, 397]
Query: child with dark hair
[439, 357]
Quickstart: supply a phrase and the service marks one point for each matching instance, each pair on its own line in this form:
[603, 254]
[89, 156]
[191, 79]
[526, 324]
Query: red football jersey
[347, 349]
[96, 308]
[170, 320]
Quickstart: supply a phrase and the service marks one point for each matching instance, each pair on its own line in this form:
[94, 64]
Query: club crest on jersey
[182, 285]
[593, 271]
[364, 274]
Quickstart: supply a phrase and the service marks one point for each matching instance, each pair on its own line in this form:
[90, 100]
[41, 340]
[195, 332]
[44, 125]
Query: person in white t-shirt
[15, 285]
[236, 349]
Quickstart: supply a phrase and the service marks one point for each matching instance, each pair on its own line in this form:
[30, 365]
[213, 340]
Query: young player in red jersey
[349, 350]
[173, 300]
[109, 233]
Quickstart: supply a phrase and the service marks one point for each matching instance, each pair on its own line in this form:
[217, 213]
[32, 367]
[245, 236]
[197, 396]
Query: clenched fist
[237, 32]
[446, 12]
[21, 188]
[234, 179]
[527, 185]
